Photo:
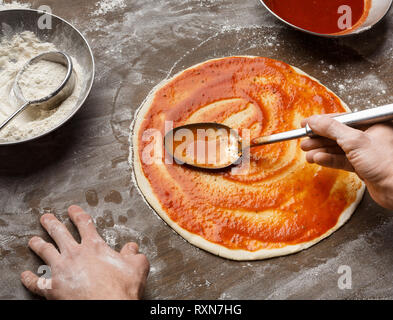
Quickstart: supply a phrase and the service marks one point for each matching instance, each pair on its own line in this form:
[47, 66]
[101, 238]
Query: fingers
[327, 127]
[336, 141]
[46, 251]
[316, 143]
[331, 150]
[335, 161]
[83, 222]
[331, 156]
[58, 232]
[129, 249]
[330, 115]
[143, 263]
[381, 128]
[30, 281]
[347, 138]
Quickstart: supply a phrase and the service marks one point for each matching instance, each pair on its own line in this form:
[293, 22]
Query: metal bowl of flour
[64, 36]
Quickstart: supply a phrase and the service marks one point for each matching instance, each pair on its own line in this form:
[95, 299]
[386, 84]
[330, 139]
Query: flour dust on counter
[13, 5]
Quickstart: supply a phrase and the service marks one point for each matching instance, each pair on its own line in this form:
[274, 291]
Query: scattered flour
[371, 82]
[105, 6]
[110, 237]
[13, 5]
[14, 53]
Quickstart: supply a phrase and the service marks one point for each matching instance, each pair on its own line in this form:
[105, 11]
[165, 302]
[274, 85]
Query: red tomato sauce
[277, 203]
[320, 16]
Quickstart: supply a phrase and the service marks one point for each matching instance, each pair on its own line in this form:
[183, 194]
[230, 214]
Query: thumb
[130, 249]
[349, 139]
[30, 281]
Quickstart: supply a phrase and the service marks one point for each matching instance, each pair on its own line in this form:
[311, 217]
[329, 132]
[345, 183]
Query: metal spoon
[52, 100]
[355, 119]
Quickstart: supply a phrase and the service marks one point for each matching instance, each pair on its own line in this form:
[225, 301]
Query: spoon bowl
[207, 145]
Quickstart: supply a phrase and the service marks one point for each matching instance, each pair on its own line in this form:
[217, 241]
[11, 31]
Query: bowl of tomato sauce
[329, 18]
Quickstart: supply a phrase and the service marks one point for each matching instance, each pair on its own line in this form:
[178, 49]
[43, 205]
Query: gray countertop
[138, 43]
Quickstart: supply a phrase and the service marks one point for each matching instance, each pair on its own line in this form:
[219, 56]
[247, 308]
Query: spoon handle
[354, 119]
[12, 116]
[364, 117]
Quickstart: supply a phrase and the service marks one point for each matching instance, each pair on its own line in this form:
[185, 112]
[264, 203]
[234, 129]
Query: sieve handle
[12, 116]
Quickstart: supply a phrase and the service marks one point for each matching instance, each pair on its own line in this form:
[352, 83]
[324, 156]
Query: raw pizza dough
[204, 208]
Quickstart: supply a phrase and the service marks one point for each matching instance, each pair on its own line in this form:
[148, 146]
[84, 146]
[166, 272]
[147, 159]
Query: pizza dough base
[147, 193]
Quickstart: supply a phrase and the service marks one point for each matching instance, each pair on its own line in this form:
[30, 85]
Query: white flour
[13, 5]
[105, 6]
[41, 79]
[14, 53]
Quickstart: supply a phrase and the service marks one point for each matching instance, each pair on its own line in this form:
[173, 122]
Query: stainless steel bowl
[64, 36]
[378, 10]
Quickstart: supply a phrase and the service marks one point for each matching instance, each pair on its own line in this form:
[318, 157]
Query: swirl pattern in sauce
[281, 200]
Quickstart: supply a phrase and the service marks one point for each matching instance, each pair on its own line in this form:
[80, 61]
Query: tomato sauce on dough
[281, 199]
[320, 16]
